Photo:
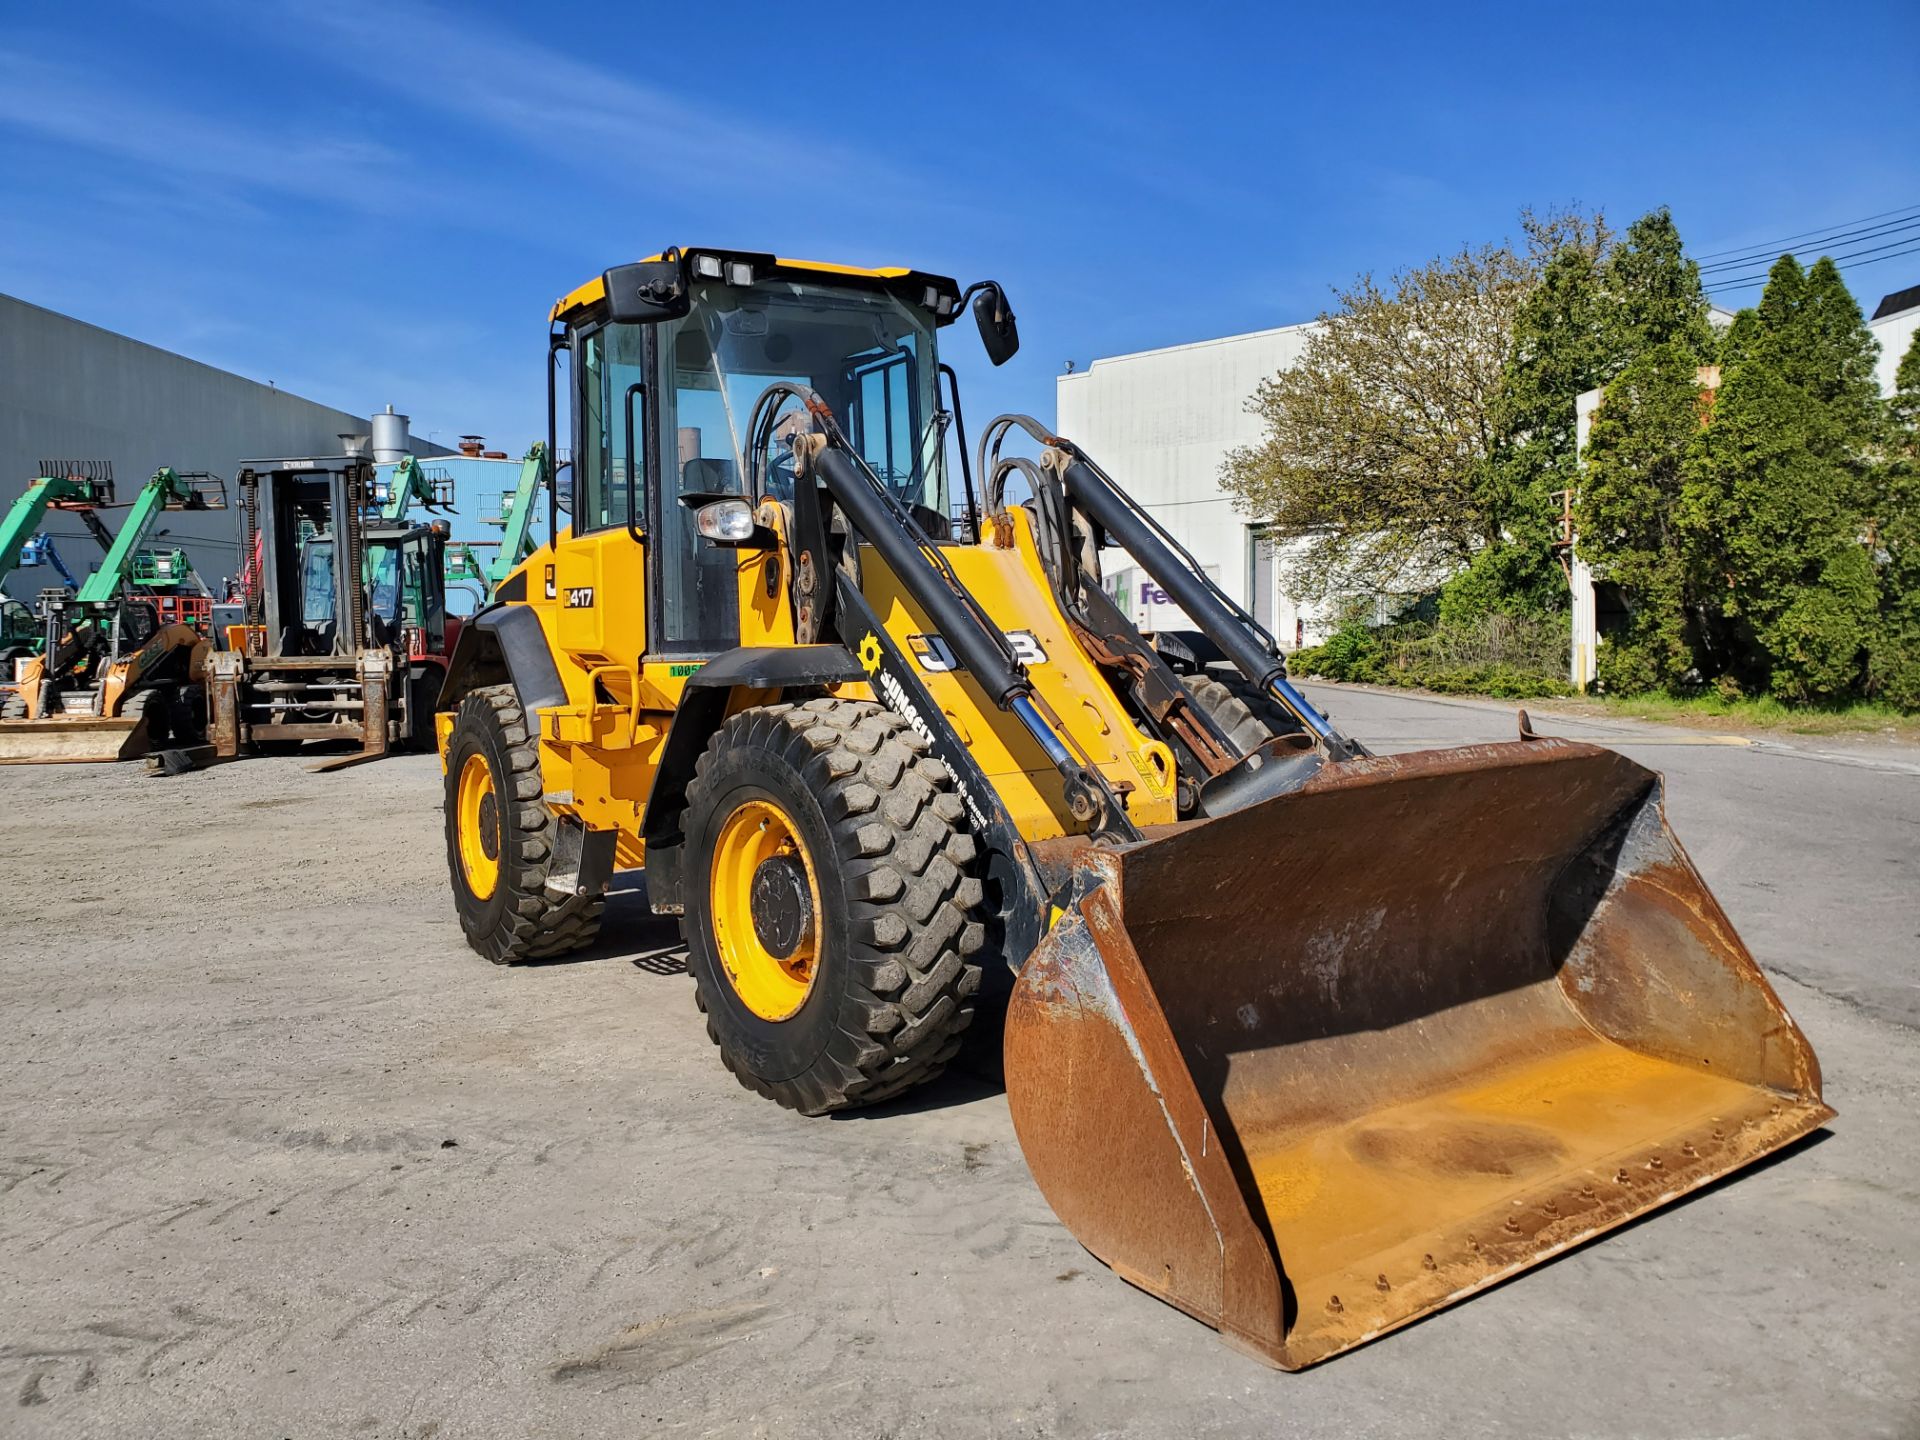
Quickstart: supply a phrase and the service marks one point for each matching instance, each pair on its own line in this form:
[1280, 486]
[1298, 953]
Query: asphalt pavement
[280, 1156]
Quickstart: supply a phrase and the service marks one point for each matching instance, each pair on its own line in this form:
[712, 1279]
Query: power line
[1848, 256]
[1767, 244]
[1848, 236]
[1761, 279]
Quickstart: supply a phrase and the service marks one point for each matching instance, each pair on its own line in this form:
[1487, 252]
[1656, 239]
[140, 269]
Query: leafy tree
[1895, 664]
[1377, 440]
[1777, 492]
[1627, 512]
[1557, 353]
[1653, 296]
[1598, 307]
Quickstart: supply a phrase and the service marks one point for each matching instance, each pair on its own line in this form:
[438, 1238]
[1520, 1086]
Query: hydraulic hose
[1191, 592]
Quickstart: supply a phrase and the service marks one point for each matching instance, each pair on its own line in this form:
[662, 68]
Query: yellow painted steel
[772, 986]
[477, 822]
[1011, 586]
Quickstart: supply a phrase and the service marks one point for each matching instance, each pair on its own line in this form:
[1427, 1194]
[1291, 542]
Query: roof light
[707, 267]
[739, 272]
[931, 299]
[945, 307]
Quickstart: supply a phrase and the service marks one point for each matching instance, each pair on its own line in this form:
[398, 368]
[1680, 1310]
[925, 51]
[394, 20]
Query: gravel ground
[279, 1156]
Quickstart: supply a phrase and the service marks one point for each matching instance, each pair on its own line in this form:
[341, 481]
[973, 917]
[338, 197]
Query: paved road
[279, 1156]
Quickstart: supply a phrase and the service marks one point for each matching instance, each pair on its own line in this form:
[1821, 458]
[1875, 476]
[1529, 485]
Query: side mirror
[647, 292]
[995, 318]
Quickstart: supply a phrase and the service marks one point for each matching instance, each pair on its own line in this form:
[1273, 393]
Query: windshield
[392, 594]
[870, 355]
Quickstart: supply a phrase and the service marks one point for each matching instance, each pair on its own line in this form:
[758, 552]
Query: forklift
[345, 630]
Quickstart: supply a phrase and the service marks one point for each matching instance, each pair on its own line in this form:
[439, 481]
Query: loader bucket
[1313, 1069]
[62, 738]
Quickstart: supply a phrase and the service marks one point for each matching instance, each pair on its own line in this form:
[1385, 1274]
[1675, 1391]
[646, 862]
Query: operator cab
[405, 587]
[665, 390]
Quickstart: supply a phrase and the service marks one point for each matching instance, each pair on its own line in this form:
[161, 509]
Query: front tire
[500, 838]
[831, 917]
[1249, 717]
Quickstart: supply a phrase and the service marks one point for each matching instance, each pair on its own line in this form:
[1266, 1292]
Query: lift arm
[167, 490]
[517, 542]
[408, 483]
[23, 519]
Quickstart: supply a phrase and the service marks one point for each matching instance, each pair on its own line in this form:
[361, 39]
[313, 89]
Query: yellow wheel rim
[769, 957]
[477, 822]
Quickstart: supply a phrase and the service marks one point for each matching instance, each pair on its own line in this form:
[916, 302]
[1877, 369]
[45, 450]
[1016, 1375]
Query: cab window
[610, 364]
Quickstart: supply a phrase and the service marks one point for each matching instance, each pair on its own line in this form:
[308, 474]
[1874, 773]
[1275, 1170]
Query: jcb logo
[579, 597]
[933, 655]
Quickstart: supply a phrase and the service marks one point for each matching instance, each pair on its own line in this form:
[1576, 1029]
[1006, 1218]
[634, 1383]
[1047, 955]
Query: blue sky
[376, 202]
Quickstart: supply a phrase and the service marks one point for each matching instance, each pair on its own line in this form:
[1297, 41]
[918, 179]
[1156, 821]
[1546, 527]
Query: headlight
[728, 521]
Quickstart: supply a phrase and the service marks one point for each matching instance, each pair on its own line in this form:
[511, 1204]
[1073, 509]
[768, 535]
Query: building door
[1261, 586]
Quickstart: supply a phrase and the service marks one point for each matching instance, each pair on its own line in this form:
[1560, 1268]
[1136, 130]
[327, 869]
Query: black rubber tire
[13, 706]
[521, 919]
[187, 714]
[1248, 717]
[897, 974]
[156, 704]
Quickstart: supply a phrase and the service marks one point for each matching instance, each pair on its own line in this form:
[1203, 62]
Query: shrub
[1511, 657]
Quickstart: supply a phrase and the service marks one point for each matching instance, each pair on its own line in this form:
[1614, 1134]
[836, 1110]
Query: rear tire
[14, 706]
[1248, 717]
[155, 704]
[500, 838]
[879, 831]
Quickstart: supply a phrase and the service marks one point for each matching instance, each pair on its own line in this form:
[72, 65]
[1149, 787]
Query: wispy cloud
[564, 109]
[59, 103]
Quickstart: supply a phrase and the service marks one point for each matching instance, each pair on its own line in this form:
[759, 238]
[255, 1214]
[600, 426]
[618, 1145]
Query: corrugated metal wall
[72, 391]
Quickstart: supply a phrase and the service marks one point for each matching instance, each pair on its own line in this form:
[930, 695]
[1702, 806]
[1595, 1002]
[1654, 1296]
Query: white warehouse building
[1161, 422]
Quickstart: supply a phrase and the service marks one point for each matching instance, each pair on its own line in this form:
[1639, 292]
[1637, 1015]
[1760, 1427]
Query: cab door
[599, 568]
[696, 584]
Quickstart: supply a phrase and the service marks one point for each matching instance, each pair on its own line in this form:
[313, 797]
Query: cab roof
[911, 283]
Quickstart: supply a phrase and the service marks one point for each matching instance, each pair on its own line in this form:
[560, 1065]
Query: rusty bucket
[1314, 1069]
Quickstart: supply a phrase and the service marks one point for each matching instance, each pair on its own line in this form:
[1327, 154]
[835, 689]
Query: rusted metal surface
[226, 669]
[71, 739]
[1314, 1069]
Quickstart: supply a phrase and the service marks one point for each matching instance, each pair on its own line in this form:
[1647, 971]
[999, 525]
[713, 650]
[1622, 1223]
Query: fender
[500, 644]
[703, 707]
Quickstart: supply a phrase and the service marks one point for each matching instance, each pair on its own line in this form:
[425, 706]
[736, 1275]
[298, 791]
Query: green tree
[1778, 491]
[1557, 352]
[1599, 306]
[1627, 513]
[1896, 648]
[1653, 296]
[1376, 441]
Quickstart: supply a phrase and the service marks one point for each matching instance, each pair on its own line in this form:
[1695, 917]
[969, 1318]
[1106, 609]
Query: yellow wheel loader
[1309, 1042]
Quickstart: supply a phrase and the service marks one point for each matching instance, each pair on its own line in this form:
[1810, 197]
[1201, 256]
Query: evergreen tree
[1557, 353]
[1597, 308]
[1653, 295]
[1777, 492]
[1831, 356]
[1628, 517]
[1896, 647]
